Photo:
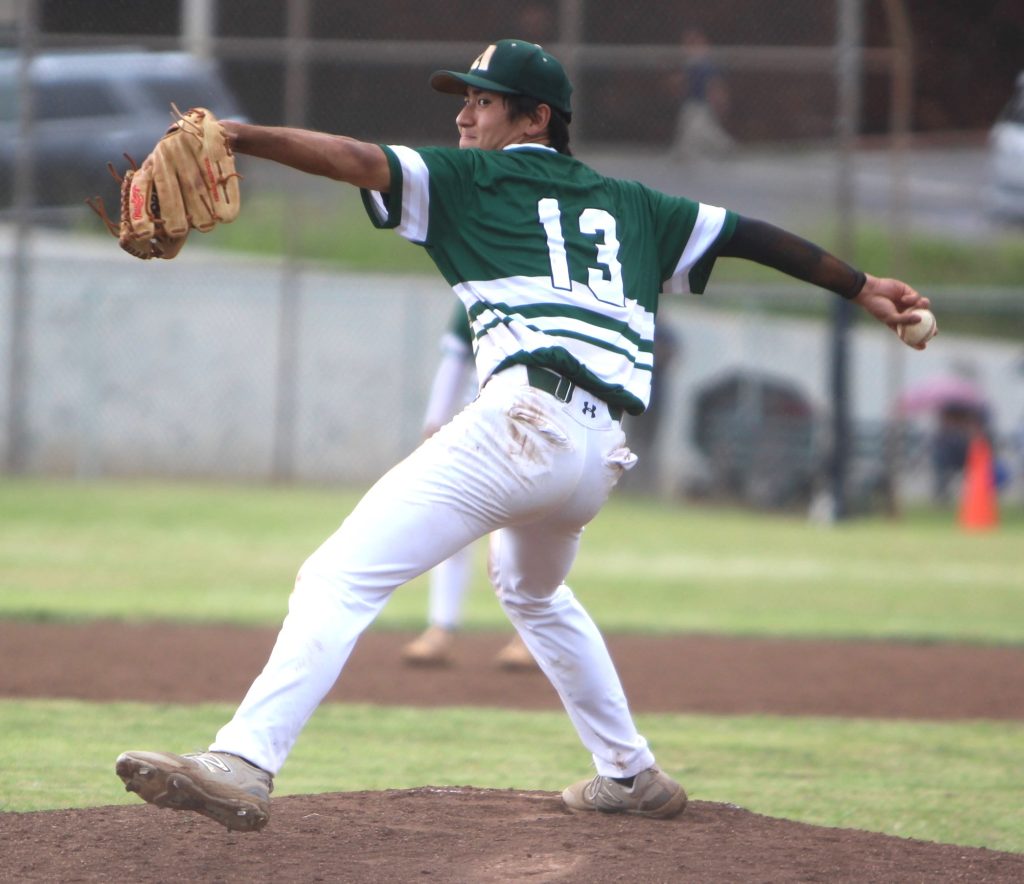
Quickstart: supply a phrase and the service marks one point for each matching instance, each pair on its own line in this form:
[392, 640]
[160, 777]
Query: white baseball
[923, 331]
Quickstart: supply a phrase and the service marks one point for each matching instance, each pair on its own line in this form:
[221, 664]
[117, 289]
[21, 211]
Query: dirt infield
[462, 834]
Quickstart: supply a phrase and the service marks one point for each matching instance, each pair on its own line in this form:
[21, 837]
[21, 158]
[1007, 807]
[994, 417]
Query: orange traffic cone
[979, 508]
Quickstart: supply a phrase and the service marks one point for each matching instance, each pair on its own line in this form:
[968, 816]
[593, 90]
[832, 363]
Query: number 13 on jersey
[605, 279]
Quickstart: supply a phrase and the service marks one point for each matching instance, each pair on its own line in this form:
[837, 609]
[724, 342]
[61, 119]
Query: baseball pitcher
[560, 271]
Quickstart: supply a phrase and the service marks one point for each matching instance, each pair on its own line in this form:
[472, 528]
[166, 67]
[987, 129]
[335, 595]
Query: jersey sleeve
[385, 209]
[698, 232]
[417, 177]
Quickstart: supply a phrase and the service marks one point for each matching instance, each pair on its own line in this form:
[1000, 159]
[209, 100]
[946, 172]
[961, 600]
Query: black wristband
[859, 279]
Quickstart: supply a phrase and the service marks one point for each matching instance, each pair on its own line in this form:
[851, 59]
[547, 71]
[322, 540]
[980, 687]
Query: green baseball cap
[513, 67]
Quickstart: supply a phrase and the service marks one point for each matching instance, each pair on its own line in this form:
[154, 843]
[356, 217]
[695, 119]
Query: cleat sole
[177, 791]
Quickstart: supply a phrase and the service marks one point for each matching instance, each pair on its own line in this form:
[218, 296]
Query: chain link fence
[309, 357]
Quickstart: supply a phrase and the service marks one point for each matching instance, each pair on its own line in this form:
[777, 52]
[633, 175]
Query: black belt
[560, 387]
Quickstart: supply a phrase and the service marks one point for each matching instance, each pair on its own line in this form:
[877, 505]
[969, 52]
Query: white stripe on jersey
[707, 227]
[500, 335]
[527, 291]
[380, 211]
[415, 195]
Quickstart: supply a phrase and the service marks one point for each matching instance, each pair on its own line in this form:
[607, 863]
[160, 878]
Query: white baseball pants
[517, 464]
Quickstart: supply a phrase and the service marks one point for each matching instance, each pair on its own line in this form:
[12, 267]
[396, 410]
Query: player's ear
[539, 120]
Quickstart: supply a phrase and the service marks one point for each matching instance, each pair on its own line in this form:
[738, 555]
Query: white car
[1006, 144]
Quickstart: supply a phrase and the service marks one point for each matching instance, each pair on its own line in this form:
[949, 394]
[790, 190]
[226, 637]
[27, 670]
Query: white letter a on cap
[483, 59]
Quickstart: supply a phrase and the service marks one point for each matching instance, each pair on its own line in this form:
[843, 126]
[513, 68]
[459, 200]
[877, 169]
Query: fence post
[848, 61]
[21, 272]
[197, 18]
[289, 309]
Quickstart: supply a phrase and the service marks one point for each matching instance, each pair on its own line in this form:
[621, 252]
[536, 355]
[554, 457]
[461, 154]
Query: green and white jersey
[555, 264]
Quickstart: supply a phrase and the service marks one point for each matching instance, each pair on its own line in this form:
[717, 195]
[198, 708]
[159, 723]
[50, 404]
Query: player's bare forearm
[316, 153]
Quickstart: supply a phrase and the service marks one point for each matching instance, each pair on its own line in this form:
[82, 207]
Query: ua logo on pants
[589, 409]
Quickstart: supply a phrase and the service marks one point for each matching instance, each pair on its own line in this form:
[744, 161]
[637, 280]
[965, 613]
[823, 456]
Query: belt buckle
[563, 388]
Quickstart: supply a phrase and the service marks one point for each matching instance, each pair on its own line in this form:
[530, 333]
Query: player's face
[483, 122]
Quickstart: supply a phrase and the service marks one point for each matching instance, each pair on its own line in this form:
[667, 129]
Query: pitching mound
[464, 834]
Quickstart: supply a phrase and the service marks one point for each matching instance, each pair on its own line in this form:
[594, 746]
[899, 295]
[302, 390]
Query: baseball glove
[188, 182]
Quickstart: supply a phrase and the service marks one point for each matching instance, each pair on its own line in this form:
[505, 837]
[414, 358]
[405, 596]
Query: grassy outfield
[188, 552]
[143, 551]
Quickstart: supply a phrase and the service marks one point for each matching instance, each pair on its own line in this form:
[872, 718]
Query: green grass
[143, 551]
[955, 783]
[334, 231]
[150, 550]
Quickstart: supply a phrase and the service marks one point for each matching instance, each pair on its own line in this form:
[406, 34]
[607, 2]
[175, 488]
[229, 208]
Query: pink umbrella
[941, 392]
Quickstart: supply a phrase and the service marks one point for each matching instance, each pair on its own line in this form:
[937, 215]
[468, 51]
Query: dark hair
[558, 128]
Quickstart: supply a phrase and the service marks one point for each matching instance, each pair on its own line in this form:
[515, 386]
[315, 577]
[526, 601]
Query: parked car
[90, 108]
[1006, 143]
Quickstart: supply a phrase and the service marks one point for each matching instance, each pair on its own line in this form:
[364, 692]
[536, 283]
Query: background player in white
[454, 386]
[560, 270]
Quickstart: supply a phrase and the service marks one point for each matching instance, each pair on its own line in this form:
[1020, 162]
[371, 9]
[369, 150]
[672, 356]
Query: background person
[699, 130]
[956, 425]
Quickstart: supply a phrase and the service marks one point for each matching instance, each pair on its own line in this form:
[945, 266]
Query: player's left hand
[188, 182]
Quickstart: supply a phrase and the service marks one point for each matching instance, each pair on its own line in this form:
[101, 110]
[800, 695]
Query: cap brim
[453, 83]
